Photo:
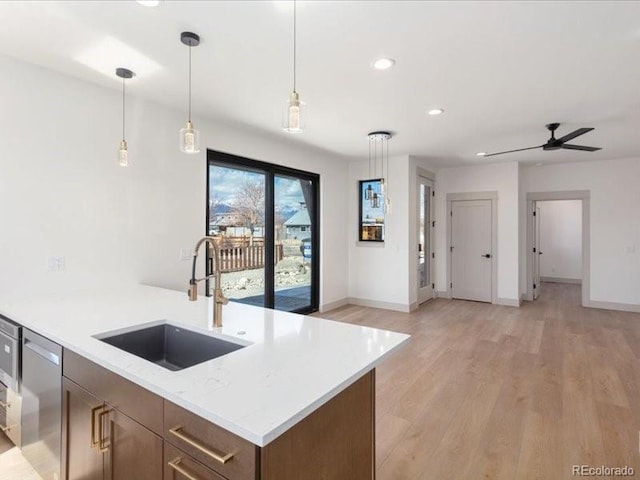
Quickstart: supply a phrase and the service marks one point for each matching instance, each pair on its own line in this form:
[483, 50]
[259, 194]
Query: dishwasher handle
[43, 352]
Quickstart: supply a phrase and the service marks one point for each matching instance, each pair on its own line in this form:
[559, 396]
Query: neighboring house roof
[225, 220]
[300, 218]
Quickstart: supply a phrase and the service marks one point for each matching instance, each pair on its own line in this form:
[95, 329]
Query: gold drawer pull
[94, 442]
[185, 438]
[101, 446]
[175, 464]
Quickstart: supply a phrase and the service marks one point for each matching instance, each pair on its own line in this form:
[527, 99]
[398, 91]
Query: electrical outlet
[186, 254]
[55, 263]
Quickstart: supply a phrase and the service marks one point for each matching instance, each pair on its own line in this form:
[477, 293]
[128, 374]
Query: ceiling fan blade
[580, 147]
[511, 151]
[572, 135]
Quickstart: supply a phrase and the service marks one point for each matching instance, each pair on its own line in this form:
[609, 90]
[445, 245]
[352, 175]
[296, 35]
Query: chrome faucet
[218, 298]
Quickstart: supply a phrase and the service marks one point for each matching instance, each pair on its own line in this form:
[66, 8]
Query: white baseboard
[509, 302]
[333, 305]
[576, 281]
[442, 294]
[365, 302]
[623, 307]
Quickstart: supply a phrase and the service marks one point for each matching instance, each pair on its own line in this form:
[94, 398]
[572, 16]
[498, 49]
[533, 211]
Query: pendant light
[295, 111]
[189, 136]
[379, 141]
[123, 153]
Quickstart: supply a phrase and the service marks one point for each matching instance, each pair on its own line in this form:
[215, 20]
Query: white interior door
[425, 239]
[471, 264]
[536, 251]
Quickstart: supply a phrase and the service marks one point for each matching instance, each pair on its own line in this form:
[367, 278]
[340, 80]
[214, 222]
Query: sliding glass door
[265, 220]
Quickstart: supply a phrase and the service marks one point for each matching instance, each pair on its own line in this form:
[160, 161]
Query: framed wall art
[371, 211]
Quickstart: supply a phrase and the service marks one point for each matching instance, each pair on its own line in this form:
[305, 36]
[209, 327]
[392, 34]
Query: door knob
[486, 255]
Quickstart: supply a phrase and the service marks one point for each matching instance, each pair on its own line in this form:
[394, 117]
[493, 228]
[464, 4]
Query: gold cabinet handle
[102, 448]
[94, 442]
[222, 458]
[175, 464]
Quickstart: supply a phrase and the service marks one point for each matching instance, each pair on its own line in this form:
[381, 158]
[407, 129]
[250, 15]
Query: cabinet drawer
[131, 399]
[180, 466]
[210, 444]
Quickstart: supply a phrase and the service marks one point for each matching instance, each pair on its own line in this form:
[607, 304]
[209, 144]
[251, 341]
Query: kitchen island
[296, 376]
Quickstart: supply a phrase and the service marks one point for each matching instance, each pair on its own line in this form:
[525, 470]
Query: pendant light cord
[387, 177]
[123, 116]
[294, 45]
[190, 82]
[369, 158]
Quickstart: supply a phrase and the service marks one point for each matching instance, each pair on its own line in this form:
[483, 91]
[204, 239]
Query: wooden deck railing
[235, 259]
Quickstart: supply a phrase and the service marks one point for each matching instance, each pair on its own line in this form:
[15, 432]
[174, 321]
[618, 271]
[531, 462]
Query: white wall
[614, 221]
[379, 272]
[62, 192]
[500, 177]
[385, 275]
[561, 239]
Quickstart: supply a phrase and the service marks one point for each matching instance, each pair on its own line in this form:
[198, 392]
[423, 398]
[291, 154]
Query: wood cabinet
[114, 429]
[99, 441]
[81, 460]
[181, 466]
[132, 450]
[218, 449]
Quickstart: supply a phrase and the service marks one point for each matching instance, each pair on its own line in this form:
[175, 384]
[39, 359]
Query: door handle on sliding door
[486, 255]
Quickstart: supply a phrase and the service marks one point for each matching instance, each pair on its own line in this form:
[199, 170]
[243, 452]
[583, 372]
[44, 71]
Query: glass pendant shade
[375, 201]
[368, 193]
[123, 154]
[387, 205]
[294, 114]
[189, 139]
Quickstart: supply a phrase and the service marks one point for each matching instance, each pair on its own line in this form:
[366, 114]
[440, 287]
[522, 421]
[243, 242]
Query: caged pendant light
[189, 136]
[295, 110]
[379, 141]
[123, 152]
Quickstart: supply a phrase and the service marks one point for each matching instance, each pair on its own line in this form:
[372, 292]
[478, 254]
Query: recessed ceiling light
[481, 154]
[383, 63]
[435, 111]
[149, 3]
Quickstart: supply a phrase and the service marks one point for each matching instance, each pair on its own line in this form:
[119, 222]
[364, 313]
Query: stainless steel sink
[171, 347]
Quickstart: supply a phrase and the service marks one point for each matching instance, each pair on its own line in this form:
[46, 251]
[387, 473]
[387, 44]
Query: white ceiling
[501, 70]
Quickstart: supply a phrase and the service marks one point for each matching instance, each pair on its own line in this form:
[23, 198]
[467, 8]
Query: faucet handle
[193, 292]
[220, 298]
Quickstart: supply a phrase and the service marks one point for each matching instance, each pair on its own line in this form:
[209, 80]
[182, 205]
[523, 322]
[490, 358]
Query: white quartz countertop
[292, 364]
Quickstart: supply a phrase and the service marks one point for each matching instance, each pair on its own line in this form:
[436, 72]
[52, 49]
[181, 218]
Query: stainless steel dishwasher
[41, 404]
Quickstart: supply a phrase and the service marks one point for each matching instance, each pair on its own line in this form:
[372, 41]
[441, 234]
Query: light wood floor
[13, 465]
[492, 392]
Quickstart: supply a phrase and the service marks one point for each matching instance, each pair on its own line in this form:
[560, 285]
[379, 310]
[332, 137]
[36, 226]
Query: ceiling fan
[556, 143]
